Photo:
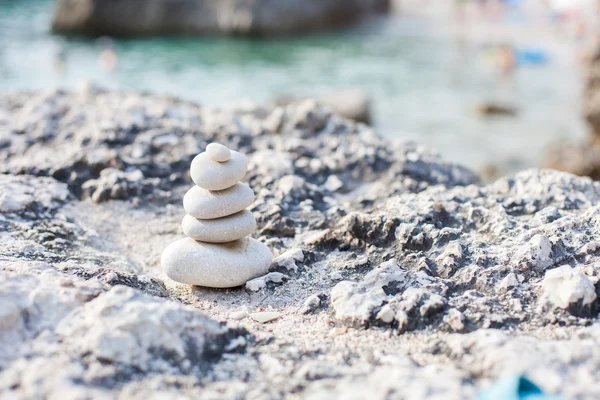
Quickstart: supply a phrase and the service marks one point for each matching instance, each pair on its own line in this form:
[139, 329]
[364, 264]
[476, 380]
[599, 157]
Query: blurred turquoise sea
[423, 84]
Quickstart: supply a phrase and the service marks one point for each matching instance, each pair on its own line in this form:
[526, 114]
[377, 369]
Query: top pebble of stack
[218, 152]
[218, 168]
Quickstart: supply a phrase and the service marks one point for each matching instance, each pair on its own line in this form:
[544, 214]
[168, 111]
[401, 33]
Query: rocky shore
[396, 274]
[198, 17]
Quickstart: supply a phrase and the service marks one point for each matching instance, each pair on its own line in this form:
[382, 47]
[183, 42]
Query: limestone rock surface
[395, 272]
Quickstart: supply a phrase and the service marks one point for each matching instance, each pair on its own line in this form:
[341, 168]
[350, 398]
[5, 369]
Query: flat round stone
[216, 265]
[213, 175]
[220, 230]
[207, 204]
[218, 152]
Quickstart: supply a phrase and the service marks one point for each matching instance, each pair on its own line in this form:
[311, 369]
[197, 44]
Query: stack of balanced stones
[217, 251]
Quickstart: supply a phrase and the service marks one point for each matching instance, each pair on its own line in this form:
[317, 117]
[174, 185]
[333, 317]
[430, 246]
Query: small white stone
[337, 331]
[213, 175]
[289, 258]
[215, 265]
[9, 204]
[455, 320]
[295, 254]
[259, 283]
[336, 276]
[238, 342]
[256, 284]
[266, 316]
[310, 304]
[510, 281]
[220, 230]
[218, 152]
[238, 315]
[535, 254]
[333, 183]
[207, 204]
[564, 286]
[386, 314]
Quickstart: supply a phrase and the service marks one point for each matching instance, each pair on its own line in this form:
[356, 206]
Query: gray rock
[312, 303]
[376, 297]
[455, 320]
[400, 376]
[127, 328]
[21, 194]
[264, 17]
[451, 283]
[115, 184]
[125, 133]
[535, 254]
[105, 341]
[564, 287]
[540, 358]
[32, 304]
[289, 259]
[256, 284]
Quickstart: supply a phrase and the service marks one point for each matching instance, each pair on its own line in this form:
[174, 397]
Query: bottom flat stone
[217, 265]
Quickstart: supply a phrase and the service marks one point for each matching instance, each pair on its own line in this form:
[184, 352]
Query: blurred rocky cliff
[241, 17]
[583, 158]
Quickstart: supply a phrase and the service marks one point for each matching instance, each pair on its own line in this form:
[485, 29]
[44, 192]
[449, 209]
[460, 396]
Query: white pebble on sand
[266, 316]
[215, 265]
[213, 175]
[206, 204]
[219, 230]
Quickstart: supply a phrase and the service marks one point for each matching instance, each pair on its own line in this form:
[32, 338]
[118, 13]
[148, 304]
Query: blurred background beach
[489, 84]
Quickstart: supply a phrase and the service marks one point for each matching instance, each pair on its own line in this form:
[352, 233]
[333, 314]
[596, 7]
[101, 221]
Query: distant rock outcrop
[583, 158]
[592, 94]
[243, 17]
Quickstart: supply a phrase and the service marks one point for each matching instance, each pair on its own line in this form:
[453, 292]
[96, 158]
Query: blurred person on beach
[506, 59]
[60, 61]
[460, 7]
[108, 59]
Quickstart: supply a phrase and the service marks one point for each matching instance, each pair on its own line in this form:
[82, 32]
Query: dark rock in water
[394, 272]
[495, 109]
[191, 17]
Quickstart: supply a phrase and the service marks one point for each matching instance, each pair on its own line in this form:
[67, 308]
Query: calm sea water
[424, 85]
